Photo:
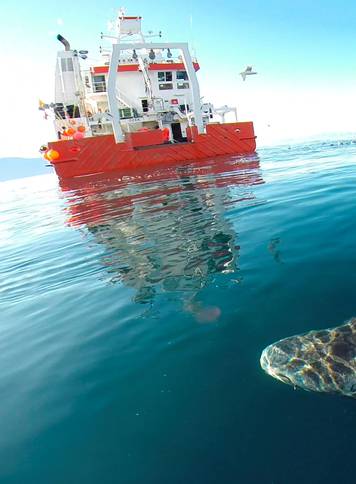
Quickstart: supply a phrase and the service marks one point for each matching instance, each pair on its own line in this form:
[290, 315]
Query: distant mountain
[11, 168]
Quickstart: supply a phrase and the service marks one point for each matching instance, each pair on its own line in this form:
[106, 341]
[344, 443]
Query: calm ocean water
[134, 311]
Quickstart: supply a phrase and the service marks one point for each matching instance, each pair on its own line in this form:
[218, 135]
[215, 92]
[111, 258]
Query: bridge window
[182, 76]
[165, 77]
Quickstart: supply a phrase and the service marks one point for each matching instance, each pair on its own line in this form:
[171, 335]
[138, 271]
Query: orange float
[52, 155]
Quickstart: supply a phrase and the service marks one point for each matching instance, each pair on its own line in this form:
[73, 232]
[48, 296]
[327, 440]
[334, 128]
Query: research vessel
[139, 108]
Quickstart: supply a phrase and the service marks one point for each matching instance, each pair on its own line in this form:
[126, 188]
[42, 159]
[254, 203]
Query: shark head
[319, 361]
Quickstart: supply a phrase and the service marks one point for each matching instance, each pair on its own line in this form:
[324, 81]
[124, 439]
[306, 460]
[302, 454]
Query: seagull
[247, 72]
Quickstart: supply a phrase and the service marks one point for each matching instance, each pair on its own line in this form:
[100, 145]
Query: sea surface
[133, 312]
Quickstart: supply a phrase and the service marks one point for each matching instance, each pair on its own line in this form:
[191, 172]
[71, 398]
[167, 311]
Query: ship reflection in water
[168, 231]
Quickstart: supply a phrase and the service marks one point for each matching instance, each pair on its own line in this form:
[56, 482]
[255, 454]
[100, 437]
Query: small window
[99, 84]
[165, 77]
[183, 85]
[166, 86]
[182, 75]
[182, 107]
[73, 111]
[144, 104]
[126, 113]
[59, 110]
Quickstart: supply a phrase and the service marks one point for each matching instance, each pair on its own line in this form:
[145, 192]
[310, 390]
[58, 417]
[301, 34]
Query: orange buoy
[52, 155]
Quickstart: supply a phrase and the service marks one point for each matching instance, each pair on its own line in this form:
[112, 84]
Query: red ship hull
[100, 154]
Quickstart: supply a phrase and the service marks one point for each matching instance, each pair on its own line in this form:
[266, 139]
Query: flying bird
[247, 72]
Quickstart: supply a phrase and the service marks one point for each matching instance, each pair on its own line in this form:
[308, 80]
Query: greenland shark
[319, 361]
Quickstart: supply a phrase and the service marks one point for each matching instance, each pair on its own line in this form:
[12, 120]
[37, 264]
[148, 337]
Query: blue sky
[303, 51]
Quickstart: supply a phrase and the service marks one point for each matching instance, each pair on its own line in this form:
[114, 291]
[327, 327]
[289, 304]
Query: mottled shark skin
[318, 361]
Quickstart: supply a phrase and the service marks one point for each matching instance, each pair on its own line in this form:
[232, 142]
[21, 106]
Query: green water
[134, 311]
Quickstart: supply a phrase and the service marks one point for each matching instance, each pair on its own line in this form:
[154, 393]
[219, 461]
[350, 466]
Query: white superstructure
[139, 84]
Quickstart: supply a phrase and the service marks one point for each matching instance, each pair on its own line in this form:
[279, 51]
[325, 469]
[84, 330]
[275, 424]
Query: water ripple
[134, 310]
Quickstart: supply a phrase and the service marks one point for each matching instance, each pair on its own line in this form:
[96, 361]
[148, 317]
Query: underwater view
[135, 309]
